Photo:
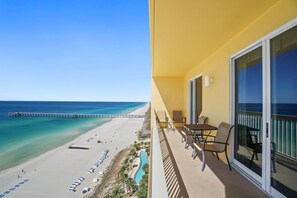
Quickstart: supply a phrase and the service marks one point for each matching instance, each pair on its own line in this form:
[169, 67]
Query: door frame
[252, 176]
[193, 98]
[263, 182]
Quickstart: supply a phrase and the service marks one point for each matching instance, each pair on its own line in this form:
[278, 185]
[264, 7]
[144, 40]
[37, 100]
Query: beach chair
[218, 145]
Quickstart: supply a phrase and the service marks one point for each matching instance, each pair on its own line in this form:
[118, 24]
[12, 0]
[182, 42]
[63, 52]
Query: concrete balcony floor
[216, 180]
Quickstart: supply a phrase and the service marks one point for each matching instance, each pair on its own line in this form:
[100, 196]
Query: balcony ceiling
[185, 32]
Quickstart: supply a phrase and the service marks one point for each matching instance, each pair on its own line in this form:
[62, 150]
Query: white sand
[51, 173]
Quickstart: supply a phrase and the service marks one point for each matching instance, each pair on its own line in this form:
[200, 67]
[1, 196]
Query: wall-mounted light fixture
[207, 81]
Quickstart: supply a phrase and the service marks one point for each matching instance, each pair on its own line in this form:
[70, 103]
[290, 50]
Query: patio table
[199, 127]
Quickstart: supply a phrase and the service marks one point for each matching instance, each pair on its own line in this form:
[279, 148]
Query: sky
[283, 80]
[74, 50]
[250, 84]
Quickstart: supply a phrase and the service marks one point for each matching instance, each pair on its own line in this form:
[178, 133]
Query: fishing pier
[71, 115]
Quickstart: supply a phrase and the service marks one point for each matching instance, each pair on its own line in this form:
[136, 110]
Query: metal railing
[283, 131]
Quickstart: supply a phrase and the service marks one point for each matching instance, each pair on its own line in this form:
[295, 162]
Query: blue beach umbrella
[7, 192]
[11, 189]
[26, 180]
[22, 182]
[17, 186]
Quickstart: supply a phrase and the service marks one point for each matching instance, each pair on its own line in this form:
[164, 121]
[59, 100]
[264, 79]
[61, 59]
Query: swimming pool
[140, 172]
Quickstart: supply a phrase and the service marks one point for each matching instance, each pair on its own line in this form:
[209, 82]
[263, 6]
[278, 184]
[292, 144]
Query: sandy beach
[52, 173]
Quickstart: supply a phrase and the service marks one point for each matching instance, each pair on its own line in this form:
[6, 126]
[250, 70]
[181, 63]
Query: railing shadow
[234, 184]
[175, 184]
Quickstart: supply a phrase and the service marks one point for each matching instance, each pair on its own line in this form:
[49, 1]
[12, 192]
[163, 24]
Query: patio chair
[161, 118]
[177, 117]
[250, 141]
[201, 120]
[185, 133]
[218, 145]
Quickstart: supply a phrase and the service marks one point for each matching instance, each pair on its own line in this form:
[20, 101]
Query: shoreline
[63, 144]
[40, 165]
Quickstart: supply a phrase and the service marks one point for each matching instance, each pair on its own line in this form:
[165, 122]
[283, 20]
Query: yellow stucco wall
[216, 97]
[167, 94]
[171, 93]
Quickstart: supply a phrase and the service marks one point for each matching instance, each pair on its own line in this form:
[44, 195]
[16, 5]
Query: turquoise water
[140, 172]
[24, 138]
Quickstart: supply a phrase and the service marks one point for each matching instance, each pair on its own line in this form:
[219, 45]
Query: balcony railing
[283, 130]
[158, 186]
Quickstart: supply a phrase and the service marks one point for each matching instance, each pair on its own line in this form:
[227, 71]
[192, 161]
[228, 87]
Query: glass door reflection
[248, 110]
[283, 50]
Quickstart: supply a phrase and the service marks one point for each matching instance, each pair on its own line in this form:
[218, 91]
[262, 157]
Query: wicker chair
[218, 145]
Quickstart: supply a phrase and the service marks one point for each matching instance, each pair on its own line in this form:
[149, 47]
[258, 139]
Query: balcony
[175, 174]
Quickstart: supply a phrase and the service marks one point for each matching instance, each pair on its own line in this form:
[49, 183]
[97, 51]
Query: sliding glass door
[264, 111]
[283, 64]
[248, 110]
[195, 99]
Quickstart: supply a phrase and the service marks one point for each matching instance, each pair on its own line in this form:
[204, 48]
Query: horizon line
[67, 101]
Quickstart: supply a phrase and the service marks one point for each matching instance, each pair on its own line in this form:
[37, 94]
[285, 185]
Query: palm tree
[143, 187]
[117, 192]
[129, 184]
[145, 168]
[132, 152]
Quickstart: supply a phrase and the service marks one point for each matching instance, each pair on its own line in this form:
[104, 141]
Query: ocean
[288, 109]
[22, 138]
